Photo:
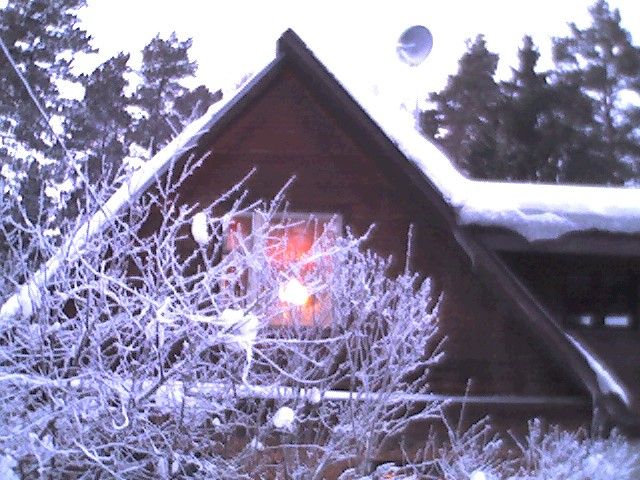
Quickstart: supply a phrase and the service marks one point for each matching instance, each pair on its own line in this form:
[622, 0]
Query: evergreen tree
[525, 110]
[466, 115]
[101, 120]
[41, 36]
[542, 126]
[165, 64]
[568, 137]
[603, 62]
[193, 104]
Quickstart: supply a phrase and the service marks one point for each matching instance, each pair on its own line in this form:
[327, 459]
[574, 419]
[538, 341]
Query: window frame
[255, 220]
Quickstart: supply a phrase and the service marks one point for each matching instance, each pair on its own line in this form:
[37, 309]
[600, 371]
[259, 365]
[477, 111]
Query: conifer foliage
[603, 62]
[101, 120]
[525, 139]
[164, 104]
[95, 133]
[573, 124]
[42, 37]
[468, 108]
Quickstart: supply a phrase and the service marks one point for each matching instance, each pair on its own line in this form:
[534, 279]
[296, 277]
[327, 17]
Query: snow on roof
[535, 211]
[607, 382]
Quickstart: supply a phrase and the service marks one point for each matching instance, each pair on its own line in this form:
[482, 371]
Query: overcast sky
[233, 38]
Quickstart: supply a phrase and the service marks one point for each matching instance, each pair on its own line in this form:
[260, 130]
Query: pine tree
[101, 120]
[41, 36]
[466, 115]
[567, 135]
[165, 64]
[542, 126]
[603, 62]
[193, 104]
[526, 102]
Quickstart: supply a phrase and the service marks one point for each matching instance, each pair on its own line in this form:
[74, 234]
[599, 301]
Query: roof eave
[586, 242]
[546, 326]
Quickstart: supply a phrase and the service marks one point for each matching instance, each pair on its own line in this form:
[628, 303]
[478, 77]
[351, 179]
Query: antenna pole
[414, 46]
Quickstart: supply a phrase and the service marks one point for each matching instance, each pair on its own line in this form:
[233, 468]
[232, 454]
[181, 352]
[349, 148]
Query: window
[288, 249]
[606, 298]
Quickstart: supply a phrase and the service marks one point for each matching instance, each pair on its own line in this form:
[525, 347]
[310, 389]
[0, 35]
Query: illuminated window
[301, 273]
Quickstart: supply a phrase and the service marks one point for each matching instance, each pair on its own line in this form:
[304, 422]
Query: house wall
[289, 129]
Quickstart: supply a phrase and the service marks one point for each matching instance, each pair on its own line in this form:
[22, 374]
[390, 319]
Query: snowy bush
[547, 452]
[147, 354]
[555, 453]
[477, 453]
[154, 351]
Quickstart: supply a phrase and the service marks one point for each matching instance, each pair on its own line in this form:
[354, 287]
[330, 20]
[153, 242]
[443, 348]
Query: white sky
[233, 38]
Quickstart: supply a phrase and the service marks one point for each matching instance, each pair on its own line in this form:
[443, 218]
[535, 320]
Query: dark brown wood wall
[546, 273]
[288, 130]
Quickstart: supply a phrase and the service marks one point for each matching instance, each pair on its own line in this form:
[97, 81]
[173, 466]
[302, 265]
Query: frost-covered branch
[150, 352]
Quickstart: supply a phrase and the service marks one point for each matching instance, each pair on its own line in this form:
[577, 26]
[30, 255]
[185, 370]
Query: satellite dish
[415, 45]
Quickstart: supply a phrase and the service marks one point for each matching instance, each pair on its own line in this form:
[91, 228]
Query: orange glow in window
[293, 292]
[288, 248]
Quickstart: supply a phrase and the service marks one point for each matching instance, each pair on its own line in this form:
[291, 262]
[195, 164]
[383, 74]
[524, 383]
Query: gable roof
[536, 212]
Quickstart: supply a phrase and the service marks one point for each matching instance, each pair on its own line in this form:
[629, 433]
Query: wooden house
[540, 296]
[540, 317]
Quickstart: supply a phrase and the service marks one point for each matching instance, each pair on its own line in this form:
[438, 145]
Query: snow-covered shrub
[556, 453]
[388, 327]
[146, 354]
[42, 201]
[547, 452]
[483, 453]
[477, 453]
[160, 353]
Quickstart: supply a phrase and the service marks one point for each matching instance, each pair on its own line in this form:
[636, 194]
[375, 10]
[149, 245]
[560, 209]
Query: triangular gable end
[292, 53]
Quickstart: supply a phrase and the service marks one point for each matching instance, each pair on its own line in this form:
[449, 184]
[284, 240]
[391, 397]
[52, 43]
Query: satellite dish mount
[414, 46]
